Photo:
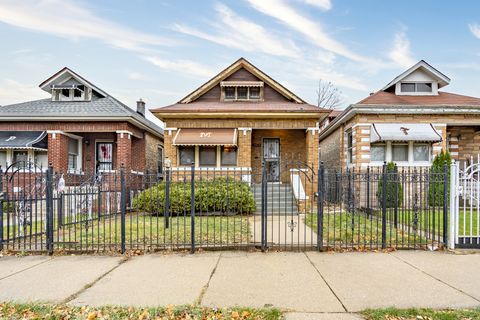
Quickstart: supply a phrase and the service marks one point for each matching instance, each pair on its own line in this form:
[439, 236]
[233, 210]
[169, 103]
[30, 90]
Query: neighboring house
[408, 122]
[79, 129]
[240, 119]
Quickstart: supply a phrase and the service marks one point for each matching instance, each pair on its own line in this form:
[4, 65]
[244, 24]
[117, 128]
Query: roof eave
[192, 115]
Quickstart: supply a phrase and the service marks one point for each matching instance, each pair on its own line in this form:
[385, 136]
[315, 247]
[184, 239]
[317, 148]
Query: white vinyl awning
[404, 132]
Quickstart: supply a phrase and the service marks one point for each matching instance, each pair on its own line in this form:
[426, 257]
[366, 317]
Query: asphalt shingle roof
[95, 109]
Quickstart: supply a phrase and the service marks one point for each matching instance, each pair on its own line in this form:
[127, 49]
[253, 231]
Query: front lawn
[16, 311]
[424, 314]
[344, 229]
[143, 231]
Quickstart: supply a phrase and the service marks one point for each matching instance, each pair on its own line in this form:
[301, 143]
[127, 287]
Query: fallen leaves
[36, 311]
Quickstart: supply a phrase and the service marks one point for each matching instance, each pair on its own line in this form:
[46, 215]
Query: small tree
[437, 178]
[328, 96]
[393, 184]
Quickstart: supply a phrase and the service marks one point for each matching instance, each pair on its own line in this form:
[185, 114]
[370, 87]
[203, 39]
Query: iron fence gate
[465, 204]
[190, 208]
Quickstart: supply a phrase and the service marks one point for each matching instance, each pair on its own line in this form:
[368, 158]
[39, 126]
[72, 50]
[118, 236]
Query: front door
[104, 154]
[271, 157]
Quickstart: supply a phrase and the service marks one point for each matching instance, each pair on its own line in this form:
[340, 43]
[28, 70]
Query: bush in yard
[393, 184]
[221, 195]
[435, 190]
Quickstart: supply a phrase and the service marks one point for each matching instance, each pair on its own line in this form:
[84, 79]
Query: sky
[162, 50]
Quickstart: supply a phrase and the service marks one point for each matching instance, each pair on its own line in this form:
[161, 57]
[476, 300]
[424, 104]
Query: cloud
[65, 18]
[322, 4]
[136, 76]
[183, 66]
[475, 29]
[234, 31]
[310, 29]
[12, 91]
[401, 53]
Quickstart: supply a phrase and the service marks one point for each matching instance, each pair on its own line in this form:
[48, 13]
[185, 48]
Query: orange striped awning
[206, 137]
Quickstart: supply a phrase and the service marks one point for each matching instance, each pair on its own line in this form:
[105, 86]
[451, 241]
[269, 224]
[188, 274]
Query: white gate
[465, 204]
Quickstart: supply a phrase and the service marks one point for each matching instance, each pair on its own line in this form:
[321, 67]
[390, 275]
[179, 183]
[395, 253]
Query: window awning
[404, 132]
[205, 137]
[23, 140]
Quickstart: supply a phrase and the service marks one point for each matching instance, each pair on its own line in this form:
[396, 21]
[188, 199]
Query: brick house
[240, 119]
[408, 122]
[79, 129]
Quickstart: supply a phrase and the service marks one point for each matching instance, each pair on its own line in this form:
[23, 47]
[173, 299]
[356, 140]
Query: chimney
[141, 107]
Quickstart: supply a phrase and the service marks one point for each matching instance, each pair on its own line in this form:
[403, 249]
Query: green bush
[221, 195]
[393, 183]
[435, 190]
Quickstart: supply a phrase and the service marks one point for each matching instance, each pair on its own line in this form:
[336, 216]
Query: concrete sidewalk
[334, 284]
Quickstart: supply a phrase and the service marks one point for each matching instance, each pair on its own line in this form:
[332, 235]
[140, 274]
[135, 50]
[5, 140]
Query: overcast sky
[161, 50]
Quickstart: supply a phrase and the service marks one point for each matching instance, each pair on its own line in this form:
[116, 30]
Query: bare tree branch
[328, 96]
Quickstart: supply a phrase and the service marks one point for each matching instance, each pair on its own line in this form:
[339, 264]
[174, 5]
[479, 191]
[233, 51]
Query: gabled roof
[442, 99]
[241, 63]
[442, 79]
[66, 73]
[102, 107]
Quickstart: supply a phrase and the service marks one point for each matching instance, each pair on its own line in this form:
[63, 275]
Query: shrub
[435, 190]
[221, 195]
[393, 183]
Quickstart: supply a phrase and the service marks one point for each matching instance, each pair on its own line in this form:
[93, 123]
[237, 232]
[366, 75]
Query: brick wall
[58, 152]
[151, 151]
[331, 151]
[464, 142]
[124, 155]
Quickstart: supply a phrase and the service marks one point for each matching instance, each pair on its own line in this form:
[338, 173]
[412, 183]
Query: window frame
[375, 144]
[200, 164]
[160, 159]
[415, 87]
[180, 148]
[222, 164]
[349, 145]
[247, 96]
[401, 144]
[97, 163]
[429, 152]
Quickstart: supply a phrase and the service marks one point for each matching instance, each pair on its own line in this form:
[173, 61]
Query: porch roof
[205, 137]
[22, 140]
[404, 132]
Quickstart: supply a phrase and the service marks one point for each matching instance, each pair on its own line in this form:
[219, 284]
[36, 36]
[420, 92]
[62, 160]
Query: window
[400, 152]
[66, 93]
[77, 93]
[3, 159]
[73, 154]
[160, 159]
[254, 93]
[104, 155]
[41, 159]
[424, 87]
[208, 156]
[230, 93]
[378, 152]
[416, 87]
[187, 156]
[20, 157]
[421, 152]
[349, 147]
[242, 93]
[229, 156]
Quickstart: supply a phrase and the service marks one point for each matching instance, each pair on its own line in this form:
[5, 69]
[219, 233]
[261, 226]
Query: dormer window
[68, 92]
[242, 90]
[416, 87]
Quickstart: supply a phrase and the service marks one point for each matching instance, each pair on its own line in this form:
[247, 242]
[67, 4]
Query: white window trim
[218, 163]
[410, 161]
[260, 94]
[79, 168]
[434, 92]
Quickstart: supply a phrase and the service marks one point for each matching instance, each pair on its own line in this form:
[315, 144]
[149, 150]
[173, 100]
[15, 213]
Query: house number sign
[205, 134]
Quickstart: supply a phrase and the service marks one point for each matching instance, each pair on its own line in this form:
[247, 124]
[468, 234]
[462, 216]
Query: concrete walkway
[308, 285]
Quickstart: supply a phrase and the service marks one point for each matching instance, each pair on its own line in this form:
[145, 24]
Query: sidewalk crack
[91, 284]
[204, 289]
[433, 277]
[28, 268]
[324, 280]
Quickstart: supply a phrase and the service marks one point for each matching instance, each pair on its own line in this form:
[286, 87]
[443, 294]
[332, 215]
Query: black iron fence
[224, 208]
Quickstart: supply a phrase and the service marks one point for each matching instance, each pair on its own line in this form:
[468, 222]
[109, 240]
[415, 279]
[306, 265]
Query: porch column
[244, 147]
[58, 151]
[170, 149]
[312, 143]
[124, 150]
[361, 139]
[442, 145]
